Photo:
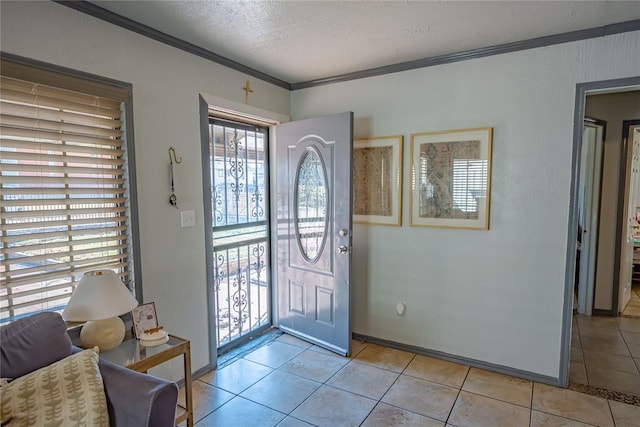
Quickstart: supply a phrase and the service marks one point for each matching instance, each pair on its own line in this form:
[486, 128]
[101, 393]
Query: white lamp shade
[99, 295]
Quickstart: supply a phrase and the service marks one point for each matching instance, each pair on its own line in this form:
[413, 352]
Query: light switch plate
[187, 218]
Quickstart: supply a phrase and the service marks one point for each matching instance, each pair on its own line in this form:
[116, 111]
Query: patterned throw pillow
[66, 393]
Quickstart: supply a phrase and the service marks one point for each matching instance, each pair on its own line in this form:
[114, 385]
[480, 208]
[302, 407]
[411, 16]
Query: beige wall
[614, 109]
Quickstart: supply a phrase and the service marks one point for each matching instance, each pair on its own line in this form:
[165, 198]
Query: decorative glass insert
[311, 205]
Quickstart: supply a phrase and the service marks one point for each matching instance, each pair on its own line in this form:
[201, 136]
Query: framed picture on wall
[451, 178]
[377, 180]
[144, 317]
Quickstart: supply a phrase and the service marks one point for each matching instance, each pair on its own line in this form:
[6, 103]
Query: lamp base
[107, 334]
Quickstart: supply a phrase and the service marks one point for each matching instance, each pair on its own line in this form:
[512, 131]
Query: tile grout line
[627, 344]
[584, 360]
[390, 387]
[531, 403]
[566, 418]
[613, 418]
[296, 375]
[321, 384]
[258, 403]
[623, 339]
[458, 395]
[304, 349]
[629, 349]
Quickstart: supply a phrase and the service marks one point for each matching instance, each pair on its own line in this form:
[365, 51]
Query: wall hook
[172, 156]
[173, 199]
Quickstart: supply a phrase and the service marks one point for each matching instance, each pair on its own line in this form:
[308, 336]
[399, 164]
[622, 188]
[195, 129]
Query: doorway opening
[254, 234]
[629, 292]
[613, 263]
[239, 177]
[612, 231]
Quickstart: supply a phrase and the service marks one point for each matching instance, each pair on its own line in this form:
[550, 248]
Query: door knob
[342, 249]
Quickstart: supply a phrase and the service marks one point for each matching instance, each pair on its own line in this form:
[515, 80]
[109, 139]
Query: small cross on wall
[247, 90]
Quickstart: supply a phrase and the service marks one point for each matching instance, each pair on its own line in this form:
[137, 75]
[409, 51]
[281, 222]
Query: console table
[140, 358]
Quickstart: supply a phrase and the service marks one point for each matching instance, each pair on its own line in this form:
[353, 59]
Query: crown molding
[622, 27]
[129, 24]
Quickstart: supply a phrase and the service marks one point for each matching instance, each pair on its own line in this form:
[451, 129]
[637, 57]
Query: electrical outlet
[187, 218]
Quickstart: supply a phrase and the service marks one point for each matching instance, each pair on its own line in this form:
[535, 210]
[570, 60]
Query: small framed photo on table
[144, 318]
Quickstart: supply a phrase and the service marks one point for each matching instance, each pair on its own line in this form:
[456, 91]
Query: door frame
[592, 241]
[582, 89]
[621, 220]
[225, 108]
[251, 332]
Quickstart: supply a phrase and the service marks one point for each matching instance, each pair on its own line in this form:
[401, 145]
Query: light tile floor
[291, 383]
[605, 353]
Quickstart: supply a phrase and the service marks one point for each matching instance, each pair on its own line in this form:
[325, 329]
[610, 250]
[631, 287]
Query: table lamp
[99, 299]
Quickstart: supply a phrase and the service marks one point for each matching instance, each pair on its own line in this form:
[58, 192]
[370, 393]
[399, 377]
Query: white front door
[313, 241]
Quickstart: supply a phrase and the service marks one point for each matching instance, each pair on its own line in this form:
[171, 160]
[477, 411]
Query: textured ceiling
[299, 41]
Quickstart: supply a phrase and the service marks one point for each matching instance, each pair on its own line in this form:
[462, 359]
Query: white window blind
[63, 189]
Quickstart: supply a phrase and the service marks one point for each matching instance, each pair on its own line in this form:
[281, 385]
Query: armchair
[133, 398]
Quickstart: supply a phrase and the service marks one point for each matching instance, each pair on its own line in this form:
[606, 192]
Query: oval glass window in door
[311, 205]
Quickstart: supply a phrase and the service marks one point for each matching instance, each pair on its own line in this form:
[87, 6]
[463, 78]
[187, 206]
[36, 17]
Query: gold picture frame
[451, 178]
[377, 180]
